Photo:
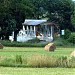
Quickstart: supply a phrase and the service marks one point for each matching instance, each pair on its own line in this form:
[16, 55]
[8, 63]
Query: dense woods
[14, 12]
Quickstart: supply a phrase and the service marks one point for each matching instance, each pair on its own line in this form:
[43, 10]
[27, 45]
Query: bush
[38, 61]
[19, 44]
[58, 42]
[9, 62]
[62, 61]
[63, 42]
[42, 61]
[71, 62]
[35, 40]
[71, 38]
[66, 62]
[18, 59]
[12, 61]
[67, 34]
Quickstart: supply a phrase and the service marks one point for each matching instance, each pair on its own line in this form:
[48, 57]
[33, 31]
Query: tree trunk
[15, 35]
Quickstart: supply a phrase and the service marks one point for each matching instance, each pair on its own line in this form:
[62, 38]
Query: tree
[60, 11]
[73, 18]
[14, 12]
[4, 14]
[12, 15]
[20, 9]
[39, 10]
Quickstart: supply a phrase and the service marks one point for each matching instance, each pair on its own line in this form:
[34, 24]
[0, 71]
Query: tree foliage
[12, 15]
[14, 12]
[60, 11]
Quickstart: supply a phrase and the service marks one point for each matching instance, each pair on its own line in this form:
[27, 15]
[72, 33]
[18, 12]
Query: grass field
[37, 71]
[27, 52]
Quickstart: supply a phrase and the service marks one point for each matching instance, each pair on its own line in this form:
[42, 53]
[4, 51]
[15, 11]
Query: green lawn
[37, 71]
[27, 51]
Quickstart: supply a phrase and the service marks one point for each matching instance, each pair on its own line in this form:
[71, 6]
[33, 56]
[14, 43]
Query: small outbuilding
[40, 29]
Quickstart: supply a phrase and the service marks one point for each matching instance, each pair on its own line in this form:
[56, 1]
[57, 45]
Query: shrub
[11, 61]
[59, 42]
[66, 62]
[18, 59]
[71, 38]
[62, 62]
[42, 61]
[71, 62]
[67, 34]
[4, 61]
[63, 42]
[35, 40]
[19, 44]
[38, 61]
[2, 58]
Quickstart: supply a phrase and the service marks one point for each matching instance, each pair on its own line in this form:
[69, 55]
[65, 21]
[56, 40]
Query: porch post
[51, 32]
[34, 31]
[31, 30]
[23, 28]
[13, 35]
[27, 30]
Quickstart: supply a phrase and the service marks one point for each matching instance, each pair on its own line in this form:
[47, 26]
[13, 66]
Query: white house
[40, 29]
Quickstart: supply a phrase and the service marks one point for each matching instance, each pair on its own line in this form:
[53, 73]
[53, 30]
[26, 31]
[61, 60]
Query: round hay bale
[73, 54]
[50, 47]
[1, 46]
